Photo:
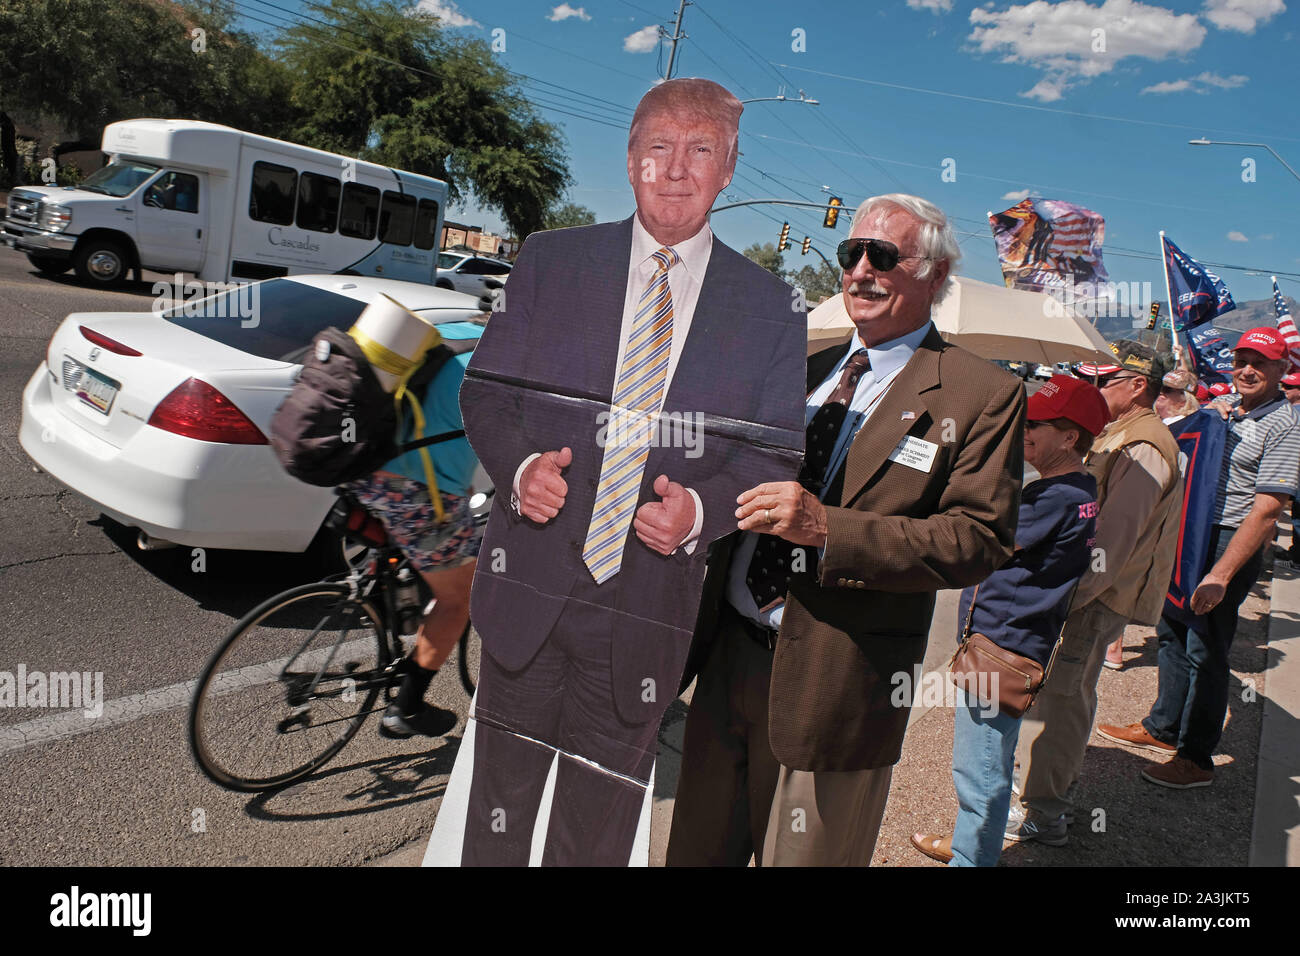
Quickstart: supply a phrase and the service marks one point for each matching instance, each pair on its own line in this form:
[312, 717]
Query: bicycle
[297, 676]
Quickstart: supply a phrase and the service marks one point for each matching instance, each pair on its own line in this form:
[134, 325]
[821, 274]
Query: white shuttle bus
[228, 206]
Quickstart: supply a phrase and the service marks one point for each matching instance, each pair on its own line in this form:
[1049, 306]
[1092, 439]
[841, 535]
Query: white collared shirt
[887, 360]
[684, 282]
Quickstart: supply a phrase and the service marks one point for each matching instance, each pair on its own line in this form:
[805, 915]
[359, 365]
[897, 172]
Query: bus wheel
[100, 262]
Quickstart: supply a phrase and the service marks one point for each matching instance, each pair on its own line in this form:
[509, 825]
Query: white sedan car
[473, 275]
[161, 420]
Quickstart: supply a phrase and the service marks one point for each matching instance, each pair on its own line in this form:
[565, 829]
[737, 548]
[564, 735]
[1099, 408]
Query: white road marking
[124, 710]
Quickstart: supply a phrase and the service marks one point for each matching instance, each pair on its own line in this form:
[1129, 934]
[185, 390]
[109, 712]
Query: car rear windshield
[277, 319]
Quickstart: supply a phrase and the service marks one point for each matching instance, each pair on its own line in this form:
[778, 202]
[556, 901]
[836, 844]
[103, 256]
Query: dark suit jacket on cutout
[541, 377]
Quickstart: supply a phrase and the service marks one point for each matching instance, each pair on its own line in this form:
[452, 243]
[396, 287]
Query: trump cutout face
[677, 164]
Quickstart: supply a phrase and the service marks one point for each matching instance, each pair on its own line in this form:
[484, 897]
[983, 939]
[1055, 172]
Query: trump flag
[1047, 245]
[1198, 294]
[1211, 355]
[1201, 440]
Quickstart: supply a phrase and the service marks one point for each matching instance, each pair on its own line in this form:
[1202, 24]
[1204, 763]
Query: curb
[1275, 831]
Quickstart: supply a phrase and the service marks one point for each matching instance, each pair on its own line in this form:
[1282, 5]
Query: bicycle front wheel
[288, 688]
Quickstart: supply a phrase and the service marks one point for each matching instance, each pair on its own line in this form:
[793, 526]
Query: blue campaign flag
[1201, 440]
[1198, 294]
[1211, 355]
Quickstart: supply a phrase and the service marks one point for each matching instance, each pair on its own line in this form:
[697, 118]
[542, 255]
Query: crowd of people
[823, 589]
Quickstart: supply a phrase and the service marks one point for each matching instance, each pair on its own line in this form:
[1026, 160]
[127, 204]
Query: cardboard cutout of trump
[639, 376]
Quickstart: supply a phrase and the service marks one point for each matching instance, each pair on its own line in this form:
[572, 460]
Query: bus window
[359, 212]
[271, 198]
[396, 217]
[426, 224]
[318, 202]
[175, 191]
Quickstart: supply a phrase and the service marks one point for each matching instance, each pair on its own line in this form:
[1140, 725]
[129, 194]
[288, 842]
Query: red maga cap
[1072, 398]
[1292, 380]
[1267, 342]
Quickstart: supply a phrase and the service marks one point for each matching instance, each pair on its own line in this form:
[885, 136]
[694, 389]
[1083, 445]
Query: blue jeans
[983, 753]
[1192, 699]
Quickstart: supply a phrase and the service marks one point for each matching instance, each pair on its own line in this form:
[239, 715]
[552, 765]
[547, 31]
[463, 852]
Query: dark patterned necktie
[769, 572]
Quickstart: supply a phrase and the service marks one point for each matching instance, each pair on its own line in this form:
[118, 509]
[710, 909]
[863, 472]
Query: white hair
[935, 238]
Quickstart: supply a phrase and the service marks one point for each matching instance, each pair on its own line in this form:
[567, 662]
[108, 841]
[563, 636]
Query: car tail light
[103, 341]
[197, 410]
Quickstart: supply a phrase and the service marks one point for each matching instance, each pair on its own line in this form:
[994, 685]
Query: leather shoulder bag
[984, 669]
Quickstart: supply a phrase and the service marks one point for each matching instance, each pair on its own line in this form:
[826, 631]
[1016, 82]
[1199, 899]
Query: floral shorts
[405, 508]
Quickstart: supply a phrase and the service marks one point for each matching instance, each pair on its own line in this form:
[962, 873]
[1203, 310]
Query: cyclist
[444, 555]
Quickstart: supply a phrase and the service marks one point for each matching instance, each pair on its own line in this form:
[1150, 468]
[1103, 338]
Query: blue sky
[1083, 100]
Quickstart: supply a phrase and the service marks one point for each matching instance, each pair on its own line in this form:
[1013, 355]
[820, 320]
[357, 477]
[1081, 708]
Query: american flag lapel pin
[908, 416]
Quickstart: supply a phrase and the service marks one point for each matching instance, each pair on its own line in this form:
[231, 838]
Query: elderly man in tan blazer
[911, 484]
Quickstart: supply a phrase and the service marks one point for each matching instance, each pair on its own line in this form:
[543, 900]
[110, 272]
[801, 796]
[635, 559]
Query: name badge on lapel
[915, 453]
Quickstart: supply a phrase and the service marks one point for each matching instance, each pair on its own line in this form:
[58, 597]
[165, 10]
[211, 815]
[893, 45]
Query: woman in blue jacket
[1022, 607]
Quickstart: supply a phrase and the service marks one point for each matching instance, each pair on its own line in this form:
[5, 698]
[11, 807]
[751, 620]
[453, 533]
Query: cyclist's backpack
[339, 424]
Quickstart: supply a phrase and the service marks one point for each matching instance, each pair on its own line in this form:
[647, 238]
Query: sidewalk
[1127, 821]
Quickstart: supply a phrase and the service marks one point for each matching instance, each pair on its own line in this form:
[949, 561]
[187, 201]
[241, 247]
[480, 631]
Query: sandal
[934, 846]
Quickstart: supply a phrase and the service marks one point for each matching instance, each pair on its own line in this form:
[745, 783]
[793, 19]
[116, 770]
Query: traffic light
[833, 213]
[807, 244]
[1155, 315]
[784, 242]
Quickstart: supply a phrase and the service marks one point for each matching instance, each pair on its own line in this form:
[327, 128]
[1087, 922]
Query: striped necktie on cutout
[634, 413]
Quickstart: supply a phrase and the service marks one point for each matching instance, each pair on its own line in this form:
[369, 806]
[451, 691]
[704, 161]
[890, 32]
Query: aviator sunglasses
[882, 254]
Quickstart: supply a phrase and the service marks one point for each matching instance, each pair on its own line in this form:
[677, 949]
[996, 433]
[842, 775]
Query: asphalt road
[77, 595]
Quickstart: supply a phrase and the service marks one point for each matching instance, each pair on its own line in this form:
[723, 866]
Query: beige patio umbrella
[992, 321]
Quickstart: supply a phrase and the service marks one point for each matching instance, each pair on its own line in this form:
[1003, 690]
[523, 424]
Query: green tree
[385, 83]
[86, 63]
[765, 255]
[818, 283]
[568, 214]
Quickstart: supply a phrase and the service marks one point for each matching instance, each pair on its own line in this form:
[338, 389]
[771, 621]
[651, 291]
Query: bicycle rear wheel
[288, 688]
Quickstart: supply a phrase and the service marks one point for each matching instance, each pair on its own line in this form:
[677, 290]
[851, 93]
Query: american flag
[1286, 326]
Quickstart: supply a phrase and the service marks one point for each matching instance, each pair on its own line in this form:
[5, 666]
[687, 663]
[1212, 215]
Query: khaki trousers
[1054, 732]
[825, 818]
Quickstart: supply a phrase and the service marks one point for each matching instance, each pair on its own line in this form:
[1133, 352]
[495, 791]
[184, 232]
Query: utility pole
[677, 35]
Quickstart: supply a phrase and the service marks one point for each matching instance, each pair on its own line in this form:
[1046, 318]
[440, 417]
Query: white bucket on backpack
[393, 338]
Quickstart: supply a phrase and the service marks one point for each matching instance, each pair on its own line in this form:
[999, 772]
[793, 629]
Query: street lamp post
[1214, 142]
[782, 98]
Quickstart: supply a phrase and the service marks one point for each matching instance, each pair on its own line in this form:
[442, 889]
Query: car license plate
[96, 390]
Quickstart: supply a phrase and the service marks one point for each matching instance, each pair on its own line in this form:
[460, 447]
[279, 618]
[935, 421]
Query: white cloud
[446, 11]
[1073, 41]
[1016, 195]
[1199, 83]
[1242, 16]
[1222, 82]
[564, 11]
[643, 41]
[1236, 236]
[1170, 86]
[938, 6]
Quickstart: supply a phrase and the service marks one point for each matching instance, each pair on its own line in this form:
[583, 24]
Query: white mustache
[873, 289]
